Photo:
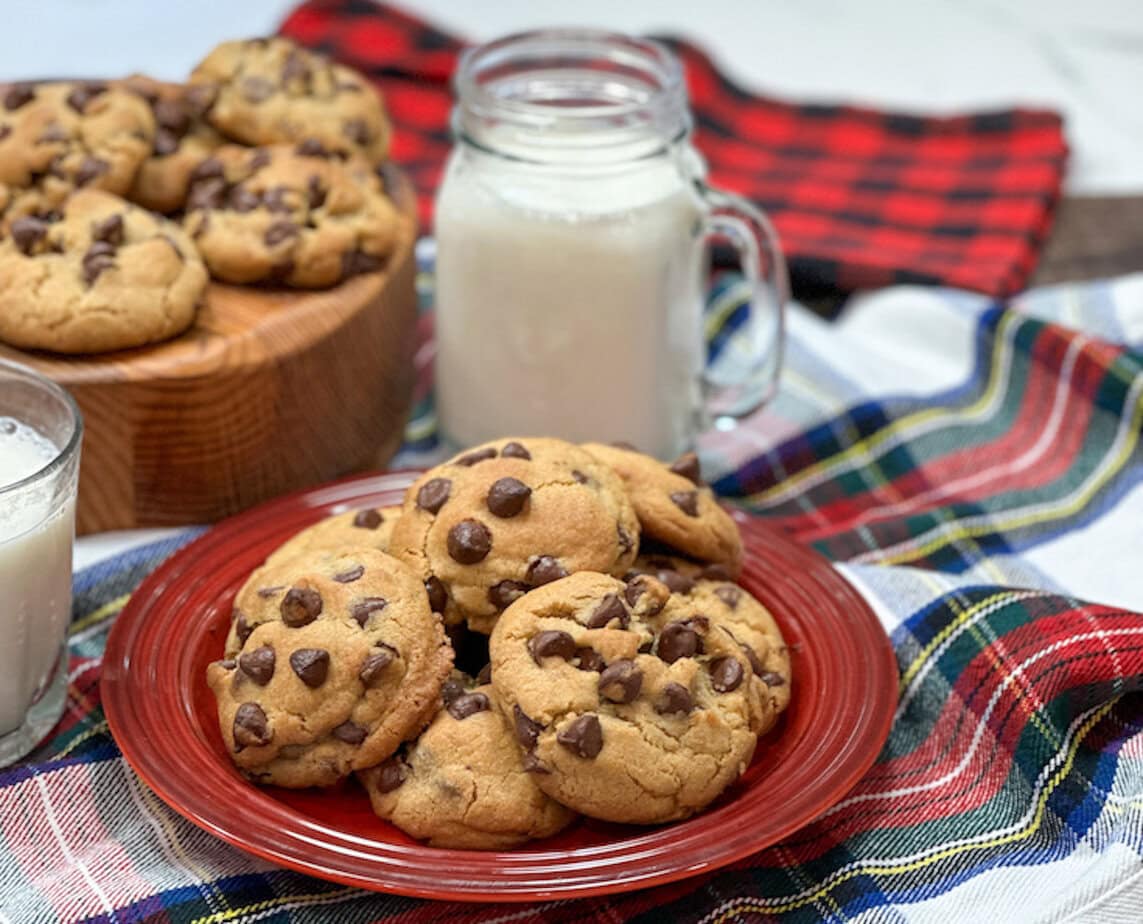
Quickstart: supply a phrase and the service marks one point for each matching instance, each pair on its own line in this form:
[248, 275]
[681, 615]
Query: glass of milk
[573, 230]
[40, 435]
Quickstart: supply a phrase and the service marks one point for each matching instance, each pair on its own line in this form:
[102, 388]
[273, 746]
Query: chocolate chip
[588, 659]
[172, 116]
[507, 497]
[368, 519]
[610, 609]
[374, 665]
[527, 729]
[478, 455]
[752, 657]
[674, 698]
[259, 158]
[625, 541]
[110, 230]
[17, 96]
[227, 664]
[209, 169]
[686, 501]
[54, 132]
[251, 727]
[772, 678]
[311, 665]
[552, 643]
[199, 98]
[687, 465]
[623, 444]
[515, 450]
[242, 628]
[451, 690]
[531, 763]
[5, 131]
[242, 199]
[468, 704]
[579, 476]
[349, 733]
[356, 131]
[350, 575]
[315, 193]
[257, 89]
[295, 67]
[209, 193]
[433, 494]
[300, 607]
[583, 737]
[276, 200]
[506, 593]
[485, 675]
[99, 257]
[391, 774]
[729, 595]
[84, 94]
[311, 147]
[362, 609]
[356, 262]
[544, 570]
[621, 682]
[636, 589]
[438, 596]
[27, 232]
[469, 542]
[89, 169]
[676, 582]
[678, 640]
[258, 664]
[726, 674]
[267, 592]
[279, 231]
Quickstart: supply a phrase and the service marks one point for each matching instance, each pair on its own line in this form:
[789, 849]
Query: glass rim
[664, 70]
[64, 455]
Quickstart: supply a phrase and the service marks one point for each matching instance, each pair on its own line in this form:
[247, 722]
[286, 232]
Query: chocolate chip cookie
[674, 506]
[183, 140]
[59, 137]
[462, 783]
[629, 707]
[368, 527]
[289, 215]
[338, 662]
[270, 91]
[499, 519]
[104, 275]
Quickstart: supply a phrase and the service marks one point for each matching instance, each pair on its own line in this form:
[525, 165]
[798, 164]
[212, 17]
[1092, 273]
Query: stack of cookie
[263, 168]
[540, 629]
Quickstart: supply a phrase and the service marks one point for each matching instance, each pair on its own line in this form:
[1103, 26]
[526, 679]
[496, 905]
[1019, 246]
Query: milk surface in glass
[36, 531]
[569, 301]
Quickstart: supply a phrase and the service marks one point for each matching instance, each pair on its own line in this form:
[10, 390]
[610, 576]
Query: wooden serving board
[270, 391]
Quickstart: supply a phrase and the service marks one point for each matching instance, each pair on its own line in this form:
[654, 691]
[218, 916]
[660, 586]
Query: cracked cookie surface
[674, 506]
[332, 661]
[368, 527]
[183, 140]
[270, 91]
[462, 784]
[106, 275]
[289, 215]
[629, 707]
[501, 518]
[59, 137]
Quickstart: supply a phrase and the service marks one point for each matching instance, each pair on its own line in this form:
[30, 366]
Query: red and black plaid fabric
[860, 198]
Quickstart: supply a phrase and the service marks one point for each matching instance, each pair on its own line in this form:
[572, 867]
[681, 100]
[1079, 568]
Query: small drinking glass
[40, 435]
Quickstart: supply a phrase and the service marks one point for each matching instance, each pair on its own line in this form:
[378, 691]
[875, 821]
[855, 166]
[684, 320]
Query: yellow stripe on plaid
[779, 906]
[109, 609]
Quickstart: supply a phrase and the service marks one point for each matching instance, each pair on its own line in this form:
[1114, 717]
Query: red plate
[163, 717]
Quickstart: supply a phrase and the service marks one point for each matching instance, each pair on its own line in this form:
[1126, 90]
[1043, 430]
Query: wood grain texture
[270, 391]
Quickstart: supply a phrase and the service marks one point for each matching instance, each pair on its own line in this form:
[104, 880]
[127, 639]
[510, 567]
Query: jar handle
[742, 382]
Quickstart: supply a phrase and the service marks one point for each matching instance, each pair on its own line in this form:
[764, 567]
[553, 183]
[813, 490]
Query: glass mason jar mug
[573, 230]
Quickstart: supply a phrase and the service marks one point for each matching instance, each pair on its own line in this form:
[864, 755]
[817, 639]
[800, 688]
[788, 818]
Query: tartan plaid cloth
[860, 198]
[974, 469]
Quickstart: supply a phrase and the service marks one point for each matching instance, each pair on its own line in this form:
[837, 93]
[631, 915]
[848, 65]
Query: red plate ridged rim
[159, 710]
